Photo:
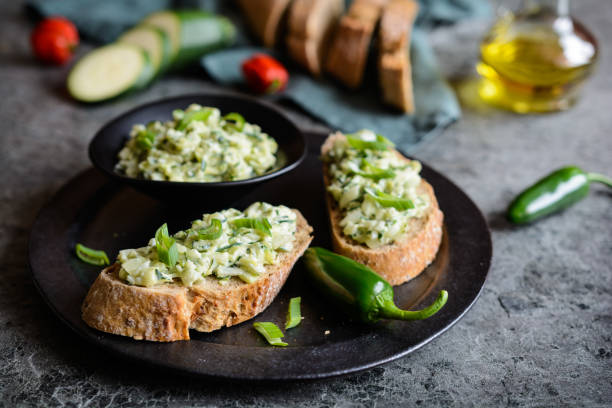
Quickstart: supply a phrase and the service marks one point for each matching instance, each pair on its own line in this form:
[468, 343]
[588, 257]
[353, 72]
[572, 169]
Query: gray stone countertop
[540, 334]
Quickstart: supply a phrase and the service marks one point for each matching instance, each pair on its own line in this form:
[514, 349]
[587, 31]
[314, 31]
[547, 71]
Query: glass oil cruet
[536, 59]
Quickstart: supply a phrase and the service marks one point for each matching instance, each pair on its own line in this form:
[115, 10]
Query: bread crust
[402, 260]
[166, 312]
[394, 70]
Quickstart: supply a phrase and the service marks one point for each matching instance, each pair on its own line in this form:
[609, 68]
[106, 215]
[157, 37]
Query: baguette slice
[264, 18]
[166, 312]
[310, 25]
[394, 71]
[348, 53]
[402, 260]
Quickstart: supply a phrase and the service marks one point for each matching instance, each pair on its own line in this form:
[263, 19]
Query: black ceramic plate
[93, 211]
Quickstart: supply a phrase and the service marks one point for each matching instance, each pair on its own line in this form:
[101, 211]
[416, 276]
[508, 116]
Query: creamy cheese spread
[198, 145]
[223, 245]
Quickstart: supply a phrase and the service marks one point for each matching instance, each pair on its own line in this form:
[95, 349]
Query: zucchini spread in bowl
[224, 244]
[198, 145]
[375, 188]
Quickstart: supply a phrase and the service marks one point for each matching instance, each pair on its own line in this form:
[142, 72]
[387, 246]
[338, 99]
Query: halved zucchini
[153, 40]
[192, 33]
[110, 71]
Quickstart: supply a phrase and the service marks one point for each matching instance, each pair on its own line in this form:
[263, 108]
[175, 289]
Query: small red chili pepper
[264, 74]
[54, 40]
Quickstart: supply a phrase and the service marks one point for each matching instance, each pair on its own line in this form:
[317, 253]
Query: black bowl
[106, 144]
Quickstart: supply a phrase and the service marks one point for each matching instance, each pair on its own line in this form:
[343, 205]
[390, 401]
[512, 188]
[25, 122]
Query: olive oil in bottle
[535, 60]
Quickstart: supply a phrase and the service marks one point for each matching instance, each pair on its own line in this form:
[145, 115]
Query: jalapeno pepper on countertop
[559, 190]
[359, 289]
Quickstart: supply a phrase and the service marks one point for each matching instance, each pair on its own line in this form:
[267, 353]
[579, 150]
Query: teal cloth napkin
[436, 105]
[435, 102]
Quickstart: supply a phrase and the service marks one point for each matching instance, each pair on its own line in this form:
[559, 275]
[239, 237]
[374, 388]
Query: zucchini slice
[110, 71]
[168, 22]
[193, 33]
[154, 41]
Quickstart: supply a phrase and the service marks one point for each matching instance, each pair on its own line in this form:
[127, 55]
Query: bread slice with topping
[165, 312]
[309, 27]
[398, 261]
[394, 70]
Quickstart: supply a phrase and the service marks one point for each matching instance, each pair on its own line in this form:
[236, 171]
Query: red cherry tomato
[54, 40]
[264, 74]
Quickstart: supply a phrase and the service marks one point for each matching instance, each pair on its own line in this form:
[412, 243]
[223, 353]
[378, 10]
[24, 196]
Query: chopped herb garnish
[375, 173]
[166, 246]
[379, 143]
[194, 116]
[91, 256]
[388, 200]
[236, 120]
[271, 332]
[213, 231]
[145, 139]
[294, 315]
[227, 247]
[261, 225]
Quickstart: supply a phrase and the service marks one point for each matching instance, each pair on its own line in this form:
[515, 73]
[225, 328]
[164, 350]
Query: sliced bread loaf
[265, 17]
[348, 52]
[310, 24]
[395, 74]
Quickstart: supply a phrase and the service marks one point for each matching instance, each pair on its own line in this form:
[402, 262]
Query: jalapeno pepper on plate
[559, 190]
[360, 289]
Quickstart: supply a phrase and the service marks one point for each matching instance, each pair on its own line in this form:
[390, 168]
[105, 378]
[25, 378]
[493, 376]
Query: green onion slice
[236, 119]
[213, 231]
[379, 143]
[166, 246]
[271, 332]
[388, 200]
[372, 172]
[294, 316]
[145, 139]
[91, 256]
[261, 225]
[194, 116]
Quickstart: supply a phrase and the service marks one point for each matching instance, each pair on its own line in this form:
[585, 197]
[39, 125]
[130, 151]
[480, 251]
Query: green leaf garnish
[194, 116]
[227, 247]
[271, 332]
[213, 231]
[388, 200]
[166, 246]
[91, 256]
[372, 172]
[236, 120]
[294, 316]
[379, 143]
[145, 139]
[261, 225]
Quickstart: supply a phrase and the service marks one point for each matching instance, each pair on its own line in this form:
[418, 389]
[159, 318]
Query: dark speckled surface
[540, 335]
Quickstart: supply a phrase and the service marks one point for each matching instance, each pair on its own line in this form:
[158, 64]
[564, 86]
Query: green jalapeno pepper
[557, 191]
[359, 289]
